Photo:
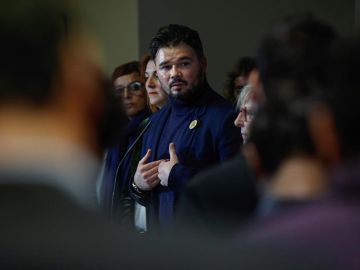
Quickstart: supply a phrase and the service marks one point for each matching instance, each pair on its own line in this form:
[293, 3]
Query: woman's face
[157, 95]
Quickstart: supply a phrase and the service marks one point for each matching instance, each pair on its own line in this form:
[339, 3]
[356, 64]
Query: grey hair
[244, 93]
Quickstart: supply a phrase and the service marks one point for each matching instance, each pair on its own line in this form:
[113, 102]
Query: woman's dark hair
[243, 67]
[125, 69]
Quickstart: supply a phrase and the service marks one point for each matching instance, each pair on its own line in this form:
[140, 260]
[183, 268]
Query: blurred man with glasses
[118, 167]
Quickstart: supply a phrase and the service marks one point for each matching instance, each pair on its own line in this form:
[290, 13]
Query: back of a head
[296, 49]
[172, 35]
[30, 35]
[280, 132]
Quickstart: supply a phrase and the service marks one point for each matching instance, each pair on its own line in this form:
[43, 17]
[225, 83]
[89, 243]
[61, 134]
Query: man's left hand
[166, 166]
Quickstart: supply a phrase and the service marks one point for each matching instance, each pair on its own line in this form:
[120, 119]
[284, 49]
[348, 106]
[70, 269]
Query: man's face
[179, 70]
[131, 92]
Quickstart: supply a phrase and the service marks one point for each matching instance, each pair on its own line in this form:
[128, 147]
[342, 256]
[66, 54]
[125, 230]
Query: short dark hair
[125, 69]
[172, 35]
[30, 35]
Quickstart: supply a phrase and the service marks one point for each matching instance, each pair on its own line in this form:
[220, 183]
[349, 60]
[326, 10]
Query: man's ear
[203, 63]
[322, 130]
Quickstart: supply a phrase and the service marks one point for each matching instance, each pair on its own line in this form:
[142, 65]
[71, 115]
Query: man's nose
[175, 72]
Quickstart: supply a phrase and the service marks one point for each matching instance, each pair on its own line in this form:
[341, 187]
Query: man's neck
[299, 178]
[18, 123]
[197, 94]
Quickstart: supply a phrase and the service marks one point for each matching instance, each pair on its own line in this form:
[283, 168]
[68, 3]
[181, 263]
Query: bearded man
[194, 131]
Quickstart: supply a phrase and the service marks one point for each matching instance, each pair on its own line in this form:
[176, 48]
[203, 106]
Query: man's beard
[191, 93]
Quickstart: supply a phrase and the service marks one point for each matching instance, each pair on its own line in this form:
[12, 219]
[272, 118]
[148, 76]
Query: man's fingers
[146, 157]
[150, 172]
[152, 179]
[150, 165]
[155, 183]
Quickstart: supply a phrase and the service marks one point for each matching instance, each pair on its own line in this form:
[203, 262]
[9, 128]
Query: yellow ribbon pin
[193, 124]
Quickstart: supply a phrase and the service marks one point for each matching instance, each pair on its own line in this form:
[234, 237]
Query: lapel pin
[193, 124]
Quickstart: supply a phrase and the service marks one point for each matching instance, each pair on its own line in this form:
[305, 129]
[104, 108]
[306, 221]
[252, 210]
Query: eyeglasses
[247, 114]
[134, 88]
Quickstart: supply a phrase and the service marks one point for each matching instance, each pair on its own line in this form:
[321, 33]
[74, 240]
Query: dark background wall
[115, 24]
[230, 29]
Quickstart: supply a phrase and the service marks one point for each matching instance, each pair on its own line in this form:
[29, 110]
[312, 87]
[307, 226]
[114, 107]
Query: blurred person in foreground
[293, 59]
[310, 112]
[326, 231]
[56, 118]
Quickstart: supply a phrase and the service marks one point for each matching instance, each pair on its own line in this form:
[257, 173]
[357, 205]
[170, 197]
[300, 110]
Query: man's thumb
[172, 152]
[146, 157]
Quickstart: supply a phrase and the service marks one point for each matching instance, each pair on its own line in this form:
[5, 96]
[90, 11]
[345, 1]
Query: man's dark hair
[243, 67]
[30, 35]
[172, 35]
[126, 69]
[296, 49]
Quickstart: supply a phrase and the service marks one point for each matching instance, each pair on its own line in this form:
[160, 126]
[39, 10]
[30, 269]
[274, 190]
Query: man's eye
[165, 67]
[185, 64]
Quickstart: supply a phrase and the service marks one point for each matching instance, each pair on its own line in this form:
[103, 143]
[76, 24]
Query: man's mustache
[178, 80]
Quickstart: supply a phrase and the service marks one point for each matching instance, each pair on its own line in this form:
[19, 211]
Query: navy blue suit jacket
[212, 140]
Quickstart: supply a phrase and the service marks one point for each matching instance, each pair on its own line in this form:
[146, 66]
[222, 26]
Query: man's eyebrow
[185, 58]
[180, 59]
[164, 63]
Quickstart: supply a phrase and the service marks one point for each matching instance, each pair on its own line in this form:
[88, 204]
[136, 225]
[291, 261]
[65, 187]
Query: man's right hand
[146, 175]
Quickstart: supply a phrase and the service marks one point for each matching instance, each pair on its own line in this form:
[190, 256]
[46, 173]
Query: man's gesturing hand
[166, 166]
[146, 175]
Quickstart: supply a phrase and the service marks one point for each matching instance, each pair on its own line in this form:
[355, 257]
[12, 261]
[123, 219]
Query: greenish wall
[115, 23]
